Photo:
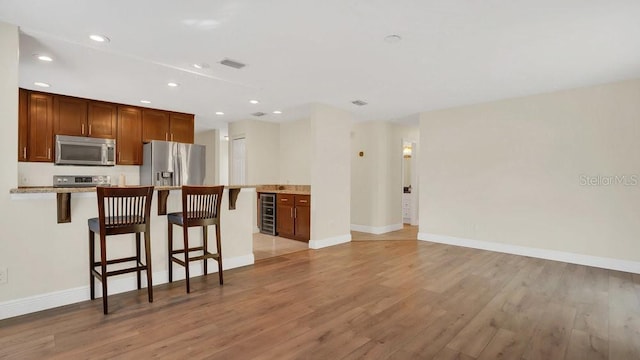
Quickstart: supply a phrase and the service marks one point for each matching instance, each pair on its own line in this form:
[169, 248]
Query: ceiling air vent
[259, 113]
[232, 63]
[359, 102]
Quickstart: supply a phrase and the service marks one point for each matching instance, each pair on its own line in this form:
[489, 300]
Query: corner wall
[330, 176]
[376, 177]
[537, 172]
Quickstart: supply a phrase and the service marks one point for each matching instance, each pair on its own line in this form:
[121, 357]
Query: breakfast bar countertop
[70, 190]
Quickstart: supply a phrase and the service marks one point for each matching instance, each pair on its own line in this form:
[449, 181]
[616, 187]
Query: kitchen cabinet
[181, 127]
[23, 124]
[41, 116]
[163, 125]
[81, 117]
[102, 120]
[69, 116]
[155, 125]
[129, 139]
[293, 216]
[36, 127]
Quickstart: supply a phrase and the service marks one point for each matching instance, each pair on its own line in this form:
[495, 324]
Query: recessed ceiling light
[277, 112]
[219, 113]
[41, 84]
[172, 84]
[392, 39]
[254, 102]
[44, 58]
[201, 66]
[145, 101]
[99, 38]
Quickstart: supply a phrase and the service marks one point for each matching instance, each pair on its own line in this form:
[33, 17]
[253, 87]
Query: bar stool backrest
[201, 205]
[124, 210]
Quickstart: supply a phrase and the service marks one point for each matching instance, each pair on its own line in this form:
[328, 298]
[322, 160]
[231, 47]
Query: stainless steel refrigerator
[167, 163]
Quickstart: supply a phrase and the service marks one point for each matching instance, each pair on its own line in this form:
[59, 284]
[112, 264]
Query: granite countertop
[51, 189]
[285, 189]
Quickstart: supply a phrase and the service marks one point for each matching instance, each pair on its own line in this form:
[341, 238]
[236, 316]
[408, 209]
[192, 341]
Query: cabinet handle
[295, 213]
[171, 136]
[166, 136]
[89, 129]
[119, 153]
[303, 201]
[291, 212]
[82, 129]
[49, 153]
[24, 152]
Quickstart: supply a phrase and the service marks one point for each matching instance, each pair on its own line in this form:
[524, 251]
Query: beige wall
[295, 152]
[330, 176]
[8, 148]
[510, 171]
[210, 139]
[376, 178]
[263, 149]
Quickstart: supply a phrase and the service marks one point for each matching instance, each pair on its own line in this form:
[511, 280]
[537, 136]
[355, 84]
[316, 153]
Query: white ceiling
[453, 52]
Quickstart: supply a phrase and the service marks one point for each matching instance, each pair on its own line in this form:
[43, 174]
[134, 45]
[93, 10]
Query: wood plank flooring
[362, 300]
[268, 246]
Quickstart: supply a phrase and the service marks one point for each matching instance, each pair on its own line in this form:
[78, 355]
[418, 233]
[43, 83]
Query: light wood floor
[366, 299]
[408, 232]
[268, 246]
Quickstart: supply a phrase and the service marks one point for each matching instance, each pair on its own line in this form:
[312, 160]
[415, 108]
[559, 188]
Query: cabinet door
[40, 147]
[69, 116]
[23, 124]
[181, 128]
[285, 225]
[302, 214]
[155, 125]
[129, 141]
[102, 120]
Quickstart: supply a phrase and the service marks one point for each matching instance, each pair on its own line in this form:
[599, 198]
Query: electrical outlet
[4, 275]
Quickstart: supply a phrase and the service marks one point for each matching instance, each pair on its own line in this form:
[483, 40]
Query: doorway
[409, 183]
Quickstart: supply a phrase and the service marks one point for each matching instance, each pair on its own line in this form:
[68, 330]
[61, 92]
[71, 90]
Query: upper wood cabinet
[69, 116]
[129, 140]
[155, 125]
[102, 120]
[162, 125]
[41, 116]
[181, 127]
[81, 117]
[40, 128]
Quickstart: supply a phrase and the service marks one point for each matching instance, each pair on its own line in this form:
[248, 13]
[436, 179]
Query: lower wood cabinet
[293, 216]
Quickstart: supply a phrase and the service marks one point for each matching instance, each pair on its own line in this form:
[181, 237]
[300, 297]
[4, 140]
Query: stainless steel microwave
[79, 150]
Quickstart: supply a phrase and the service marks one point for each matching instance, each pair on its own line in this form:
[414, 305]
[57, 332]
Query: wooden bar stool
[120, 211]
[200, 207]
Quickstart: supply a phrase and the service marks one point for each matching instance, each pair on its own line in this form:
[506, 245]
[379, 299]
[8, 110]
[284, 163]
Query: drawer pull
[303, 201]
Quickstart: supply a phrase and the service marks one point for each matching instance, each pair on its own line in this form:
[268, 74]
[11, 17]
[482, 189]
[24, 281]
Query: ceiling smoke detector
[232, 63]
[359, 102]
[259, 113]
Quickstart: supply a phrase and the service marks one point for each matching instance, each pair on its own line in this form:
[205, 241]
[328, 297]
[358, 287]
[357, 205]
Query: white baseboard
[318, 244]
[54, 299]
[377, 230]
[573, 258]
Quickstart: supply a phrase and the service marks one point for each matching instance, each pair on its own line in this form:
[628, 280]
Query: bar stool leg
[170, 248]
[185, 231]
[138, 260]
[103, 268]
[205, 247]
[147, 259]
[92, 259]
[219, 250]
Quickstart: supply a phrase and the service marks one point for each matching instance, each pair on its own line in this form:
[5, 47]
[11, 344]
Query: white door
[238, 162]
